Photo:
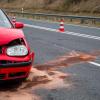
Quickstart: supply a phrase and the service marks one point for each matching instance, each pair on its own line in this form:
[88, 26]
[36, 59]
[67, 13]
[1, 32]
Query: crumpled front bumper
[22, 64]
[18, 69]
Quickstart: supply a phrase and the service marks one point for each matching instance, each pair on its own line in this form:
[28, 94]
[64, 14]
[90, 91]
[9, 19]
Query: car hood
[8, 35]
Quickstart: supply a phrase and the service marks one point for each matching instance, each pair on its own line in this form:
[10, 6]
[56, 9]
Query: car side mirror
[19, 25]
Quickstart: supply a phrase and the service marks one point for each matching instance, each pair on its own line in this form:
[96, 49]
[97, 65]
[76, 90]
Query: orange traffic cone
[61, 29]
[14, 19]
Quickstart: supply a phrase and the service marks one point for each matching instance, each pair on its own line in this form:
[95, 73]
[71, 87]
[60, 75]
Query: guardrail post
[82, 21]
[22, 10]
[71, 19]
[93, 21]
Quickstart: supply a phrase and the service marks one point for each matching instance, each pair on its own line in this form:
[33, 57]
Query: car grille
[0, 50]
[2, 76]
[12, 75]
[17, 74]
[5, 62]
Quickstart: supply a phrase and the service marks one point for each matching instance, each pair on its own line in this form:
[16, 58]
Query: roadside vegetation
[68, 6]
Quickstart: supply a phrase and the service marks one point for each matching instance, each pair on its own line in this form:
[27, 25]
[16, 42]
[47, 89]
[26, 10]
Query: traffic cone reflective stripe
[13, 19]
[62, 23]
[61, 29]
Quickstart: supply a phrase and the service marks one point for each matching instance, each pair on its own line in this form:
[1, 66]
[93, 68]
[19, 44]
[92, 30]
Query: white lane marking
[70, 33]
[66, 32]
[39, 27]
[83, 26]
[94, 63]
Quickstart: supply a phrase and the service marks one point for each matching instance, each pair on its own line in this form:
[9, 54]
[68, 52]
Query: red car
[15, 55]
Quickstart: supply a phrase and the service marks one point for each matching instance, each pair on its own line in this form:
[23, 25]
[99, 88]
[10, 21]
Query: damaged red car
[15, 55]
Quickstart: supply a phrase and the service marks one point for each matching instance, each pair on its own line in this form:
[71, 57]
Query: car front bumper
[17, 70]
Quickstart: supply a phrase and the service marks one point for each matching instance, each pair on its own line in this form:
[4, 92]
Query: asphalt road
[49, 44]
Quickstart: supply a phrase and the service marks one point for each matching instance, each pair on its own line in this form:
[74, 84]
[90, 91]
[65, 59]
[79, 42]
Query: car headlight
[19, 50]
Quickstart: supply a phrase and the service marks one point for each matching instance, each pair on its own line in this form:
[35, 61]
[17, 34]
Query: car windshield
[4, 22]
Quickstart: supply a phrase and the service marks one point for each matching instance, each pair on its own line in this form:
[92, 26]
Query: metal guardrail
[56, 17]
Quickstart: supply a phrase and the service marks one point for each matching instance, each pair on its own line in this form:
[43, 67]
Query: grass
[74, 6]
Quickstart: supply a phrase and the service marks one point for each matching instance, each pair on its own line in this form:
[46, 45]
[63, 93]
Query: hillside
[90, 6]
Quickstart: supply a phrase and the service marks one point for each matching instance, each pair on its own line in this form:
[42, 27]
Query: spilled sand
[45, 76]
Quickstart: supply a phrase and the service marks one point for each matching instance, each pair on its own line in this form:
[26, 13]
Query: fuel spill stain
[46, 76]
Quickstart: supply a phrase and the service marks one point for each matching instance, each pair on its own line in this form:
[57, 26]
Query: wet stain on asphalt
[45, 76]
